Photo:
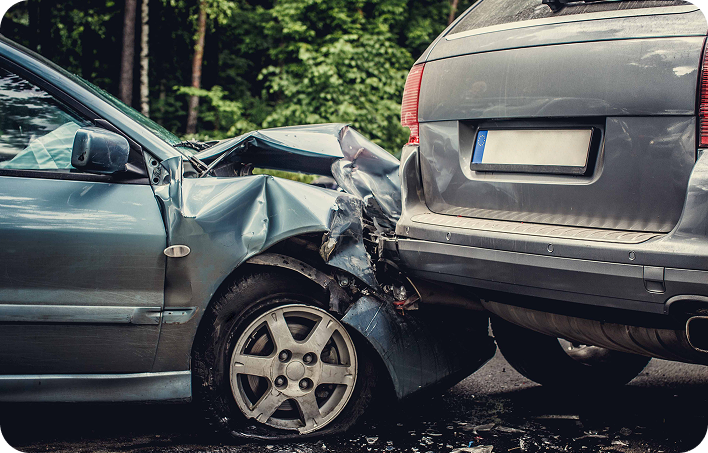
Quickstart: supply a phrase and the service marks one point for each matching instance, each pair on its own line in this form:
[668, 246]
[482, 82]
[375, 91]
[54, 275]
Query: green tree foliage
[266, 62]
[226, 115]
[355, 79]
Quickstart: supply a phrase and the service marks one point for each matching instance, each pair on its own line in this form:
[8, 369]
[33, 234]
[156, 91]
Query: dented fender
[233, 219]
[226, 221]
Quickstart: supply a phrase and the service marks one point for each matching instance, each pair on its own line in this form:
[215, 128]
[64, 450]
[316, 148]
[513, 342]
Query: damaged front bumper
[422, 349]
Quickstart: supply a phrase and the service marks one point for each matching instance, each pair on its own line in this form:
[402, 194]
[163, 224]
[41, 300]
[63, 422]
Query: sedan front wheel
[271, 362]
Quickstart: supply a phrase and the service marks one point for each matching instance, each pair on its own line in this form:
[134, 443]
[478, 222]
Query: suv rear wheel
[270, 362]
[556, 362]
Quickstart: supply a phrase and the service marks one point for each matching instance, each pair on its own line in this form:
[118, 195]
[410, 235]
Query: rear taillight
[409, 105]
[703, 104]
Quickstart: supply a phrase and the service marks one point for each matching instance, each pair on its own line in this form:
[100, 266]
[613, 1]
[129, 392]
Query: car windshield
[133, 114]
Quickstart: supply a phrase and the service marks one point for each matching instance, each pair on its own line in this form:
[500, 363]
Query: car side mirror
[100, 151]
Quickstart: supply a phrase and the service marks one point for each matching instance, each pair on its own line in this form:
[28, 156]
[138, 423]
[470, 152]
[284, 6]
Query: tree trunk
[128, 54]
[453, 11]
[33, 16]
[45, 43]
[197, 69]
[88, 39]
[144, 61]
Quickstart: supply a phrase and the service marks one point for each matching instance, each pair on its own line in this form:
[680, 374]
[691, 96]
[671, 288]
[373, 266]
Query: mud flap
[421, 349]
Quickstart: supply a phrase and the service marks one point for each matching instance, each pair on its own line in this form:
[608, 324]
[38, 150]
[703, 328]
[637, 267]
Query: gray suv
[555, 177]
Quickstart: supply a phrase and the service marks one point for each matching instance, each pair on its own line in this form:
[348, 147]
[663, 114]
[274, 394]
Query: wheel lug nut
[304, 384]
[284, 355]
[308, 358]
[280, 381]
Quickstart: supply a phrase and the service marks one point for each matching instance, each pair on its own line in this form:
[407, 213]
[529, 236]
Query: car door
[81, 255]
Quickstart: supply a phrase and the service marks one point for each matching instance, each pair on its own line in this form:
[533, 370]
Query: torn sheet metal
[422, 349]
[359, 166]
[343, 247]
[370, 173]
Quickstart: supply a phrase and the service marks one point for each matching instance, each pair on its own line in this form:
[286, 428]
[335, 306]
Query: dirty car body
[111, 269]
[557, 172]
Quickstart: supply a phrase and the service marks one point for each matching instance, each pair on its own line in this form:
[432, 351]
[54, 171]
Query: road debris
[479, 428]
[557, 417]
[477, 449]
[509, 430]
[591, 436]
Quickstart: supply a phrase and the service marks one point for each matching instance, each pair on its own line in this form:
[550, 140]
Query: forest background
[213, 69]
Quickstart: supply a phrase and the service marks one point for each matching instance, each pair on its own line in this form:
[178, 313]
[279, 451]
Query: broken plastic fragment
[477, 449]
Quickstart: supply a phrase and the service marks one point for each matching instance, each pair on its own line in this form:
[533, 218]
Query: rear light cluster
[703, 104]
[409, 105]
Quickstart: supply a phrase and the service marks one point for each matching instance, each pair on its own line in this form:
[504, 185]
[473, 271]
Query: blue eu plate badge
[479, 147]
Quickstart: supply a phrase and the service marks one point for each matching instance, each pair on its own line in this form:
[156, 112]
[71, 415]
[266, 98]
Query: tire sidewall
[542, 359]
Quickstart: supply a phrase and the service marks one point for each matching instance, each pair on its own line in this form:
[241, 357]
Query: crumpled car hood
[359, 166]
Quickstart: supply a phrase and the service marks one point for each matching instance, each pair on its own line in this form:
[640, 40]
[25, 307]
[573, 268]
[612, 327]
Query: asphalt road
[662, 410]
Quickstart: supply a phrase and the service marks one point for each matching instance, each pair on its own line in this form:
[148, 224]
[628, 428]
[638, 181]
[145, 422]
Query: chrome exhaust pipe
[697, 332]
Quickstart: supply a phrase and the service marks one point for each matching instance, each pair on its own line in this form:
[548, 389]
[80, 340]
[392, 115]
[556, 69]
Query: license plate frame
[563, 151]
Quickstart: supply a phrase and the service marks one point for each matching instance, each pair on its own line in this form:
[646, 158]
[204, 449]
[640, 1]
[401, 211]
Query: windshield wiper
[198, 165]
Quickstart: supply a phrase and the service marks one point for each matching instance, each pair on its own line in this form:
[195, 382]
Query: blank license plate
[560, 151]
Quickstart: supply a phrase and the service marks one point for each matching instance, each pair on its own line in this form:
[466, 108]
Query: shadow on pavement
[655, 413]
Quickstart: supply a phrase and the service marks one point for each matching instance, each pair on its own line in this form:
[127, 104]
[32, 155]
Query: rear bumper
[640, 274]
[596, 283]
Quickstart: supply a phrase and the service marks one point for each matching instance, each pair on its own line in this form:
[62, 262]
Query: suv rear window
[488, 13]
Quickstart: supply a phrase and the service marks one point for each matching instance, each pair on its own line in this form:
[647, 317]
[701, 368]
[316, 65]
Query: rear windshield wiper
[557, 5]
[197, 146]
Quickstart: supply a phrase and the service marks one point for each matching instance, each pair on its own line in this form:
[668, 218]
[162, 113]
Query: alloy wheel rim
[294, 367]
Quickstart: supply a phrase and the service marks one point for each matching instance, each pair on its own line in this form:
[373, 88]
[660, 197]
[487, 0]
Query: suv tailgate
[629, 75]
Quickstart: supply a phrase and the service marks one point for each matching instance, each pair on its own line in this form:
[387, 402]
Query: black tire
[544, 360]
[220, 329]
